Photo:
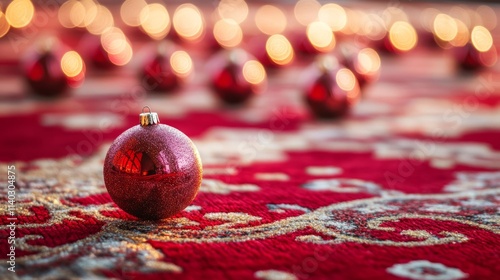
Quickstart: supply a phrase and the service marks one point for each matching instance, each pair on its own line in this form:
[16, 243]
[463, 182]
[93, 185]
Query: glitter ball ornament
[152, 171]
[50, 69]
[237, 76]
[167, 69]
[334, 89]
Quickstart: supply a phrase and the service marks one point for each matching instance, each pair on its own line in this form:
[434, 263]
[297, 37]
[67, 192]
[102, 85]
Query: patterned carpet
[406, 187]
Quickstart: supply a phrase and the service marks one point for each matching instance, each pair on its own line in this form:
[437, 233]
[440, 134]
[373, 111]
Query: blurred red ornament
[152, 171]
[51, 68]
[469, 58]
[237, 76]
[167, 69]
[334, 89]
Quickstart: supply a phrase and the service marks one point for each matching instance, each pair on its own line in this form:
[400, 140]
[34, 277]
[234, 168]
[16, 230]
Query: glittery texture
[152, 172]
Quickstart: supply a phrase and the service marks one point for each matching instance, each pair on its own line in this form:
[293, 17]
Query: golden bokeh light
[4, 25]
[228, 33]
[462, 37]
[333, 15]
[254, 72]
[90, 8]
[368, 61]
[236, 10]
[130, 12]
[188, 22]
[373, 27]
[345, 79]
[279, 49]
[306, 11]
[19, 13]
[114, 41]
[403, 36]
[72, 64]
[481, 38]
[71, 14]
[123, 57]
[102, 21]
[181, 63]
[445, 27]
[155, 21]
[358, 22]
[320, 35]
[270, 20]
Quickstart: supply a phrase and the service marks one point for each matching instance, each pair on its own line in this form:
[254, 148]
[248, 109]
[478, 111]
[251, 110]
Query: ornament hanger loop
[148, 118]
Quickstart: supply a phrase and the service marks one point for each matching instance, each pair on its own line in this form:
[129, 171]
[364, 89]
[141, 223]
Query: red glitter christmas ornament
[152, 171]
[238, 76]
[334, 89]
[51, 68]
[168, 69]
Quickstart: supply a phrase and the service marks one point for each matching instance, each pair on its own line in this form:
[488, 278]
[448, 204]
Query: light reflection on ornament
[270, 20]
[279, 49]
[368, 62]
[181, 63]
[72, 64]
[254, 72]
[188, 22]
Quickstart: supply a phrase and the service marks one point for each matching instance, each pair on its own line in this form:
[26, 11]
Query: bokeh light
[228, 33]
[481, 38]
[345, 79]
[279, 49]
[333, 15]
[72, 64]
[181, 63]
[188, 22]
[123, 57]
[114, 41]
[368, 62]
[462, 37]
[155, 21]
[445, 27]
[130, 12]
[90, 12]
[102, 21]
[4, 25]
[236, 10]
[306, 11]
[19, 13]
[270, 20]
[403, 36]
[254, 72]
[321, 37]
